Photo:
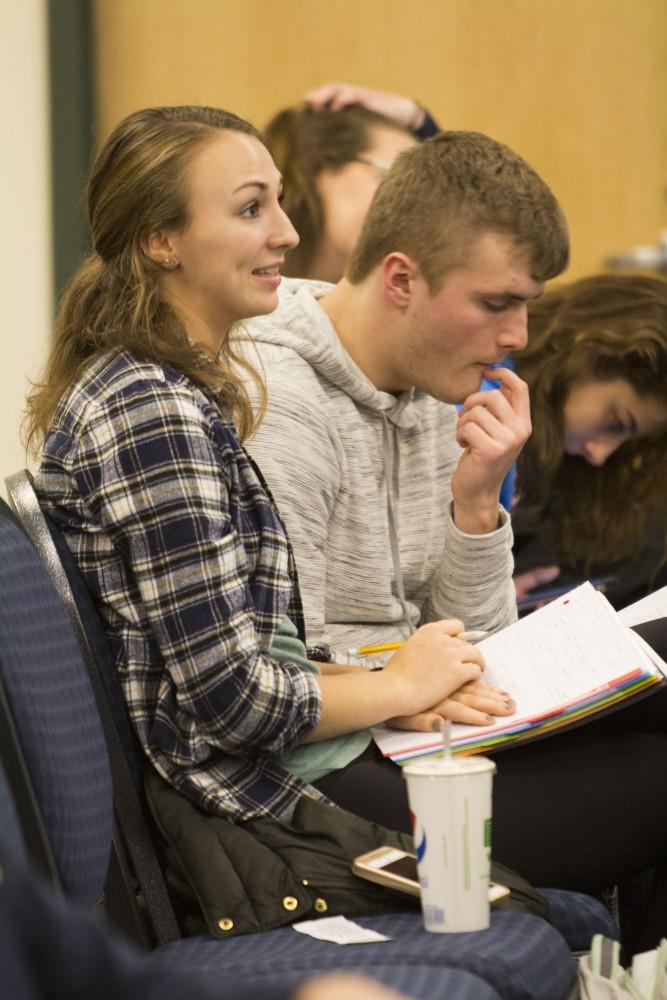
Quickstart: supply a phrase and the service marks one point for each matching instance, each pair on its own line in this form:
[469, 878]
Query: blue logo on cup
[420, 843]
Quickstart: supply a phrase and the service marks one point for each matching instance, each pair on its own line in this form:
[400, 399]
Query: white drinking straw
[446, 730]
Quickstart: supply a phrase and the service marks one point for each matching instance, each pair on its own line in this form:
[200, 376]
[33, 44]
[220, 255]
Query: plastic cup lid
[436, 767]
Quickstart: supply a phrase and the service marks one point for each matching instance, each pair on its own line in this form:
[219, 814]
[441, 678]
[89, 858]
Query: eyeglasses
[378, 164]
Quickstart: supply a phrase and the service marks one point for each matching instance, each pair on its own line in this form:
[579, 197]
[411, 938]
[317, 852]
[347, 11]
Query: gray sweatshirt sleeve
[474, 581]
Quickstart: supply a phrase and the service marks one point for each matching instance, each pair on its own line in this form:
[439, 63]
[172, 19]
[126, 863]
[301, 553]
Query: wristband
[319, 653]
[429, 127]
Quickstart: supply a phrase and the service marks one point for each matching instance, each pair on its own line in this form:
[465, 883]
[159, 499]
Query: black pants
[583, 810]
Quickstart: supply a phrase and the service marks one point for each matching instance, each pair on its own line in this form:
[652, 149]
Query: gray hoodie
[362, 479]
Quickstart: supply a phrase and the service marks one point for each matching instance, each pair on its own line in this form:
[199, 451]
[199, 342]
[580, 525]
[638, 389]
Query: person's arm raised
[492, 429]
[336, 95]
[431, 666]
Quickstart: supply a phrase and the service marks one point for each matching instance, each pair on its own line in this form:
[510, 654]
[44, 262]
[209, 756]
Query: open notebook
[564, 663]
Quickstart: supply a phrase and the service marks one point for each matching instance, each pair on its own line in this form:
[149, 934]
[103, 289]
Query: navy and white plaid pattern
[181, 545]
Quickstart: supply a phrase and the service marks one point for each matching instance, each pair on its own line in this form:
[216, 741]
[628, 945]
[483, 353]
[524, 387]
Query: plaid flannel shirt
[182, 548]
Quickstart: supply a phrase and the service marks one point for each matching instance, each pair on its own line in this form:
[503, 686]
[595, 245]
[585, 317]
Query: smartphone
[542, 595]
[396, 869]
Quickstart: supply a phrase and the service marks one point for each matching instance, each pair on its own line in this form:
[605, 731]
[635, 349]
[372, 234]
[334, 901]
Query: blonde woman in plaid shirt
[140, 415]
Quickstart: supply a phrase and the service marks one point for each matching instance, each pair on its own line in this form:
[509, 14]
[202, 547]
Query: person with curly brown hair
[591, 499]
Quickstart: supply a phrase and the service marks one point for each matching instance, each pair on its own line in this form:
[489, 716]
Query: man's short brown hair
[443, 195]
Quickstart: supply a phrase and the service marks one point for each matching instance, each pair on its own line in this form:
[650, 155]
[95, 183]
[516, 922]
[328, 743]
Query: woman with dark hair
[592, 499]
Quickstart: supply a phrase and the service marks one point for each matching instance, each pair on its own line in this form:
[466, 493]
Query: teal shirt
[312, 761]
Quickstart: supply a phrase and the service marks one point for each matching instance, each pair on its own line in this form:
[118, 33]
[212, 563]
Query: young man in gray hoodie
[389, 495]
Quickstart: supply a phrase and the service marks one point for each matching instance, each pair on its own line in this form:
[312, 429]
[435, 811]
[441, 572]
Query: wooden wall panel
[577, 86]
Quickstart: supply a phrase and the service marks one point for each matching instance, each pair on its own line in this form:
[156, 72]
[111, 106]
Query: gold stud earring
[170, 263]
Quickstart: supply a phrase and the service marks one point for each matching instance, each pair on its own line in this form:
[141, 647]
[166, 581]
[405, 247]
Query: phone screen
[372, 866]
[406, 867]
[549, 592]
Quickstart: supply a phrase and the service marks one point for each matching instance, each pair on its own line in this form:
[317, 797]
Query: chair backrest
[10, 828]
[147, 916]
[53, 720]
[83, 616]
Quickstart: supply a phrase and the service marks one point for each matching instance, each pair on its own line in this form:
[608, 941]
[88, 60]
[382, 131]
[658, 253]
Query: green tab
[487, 832]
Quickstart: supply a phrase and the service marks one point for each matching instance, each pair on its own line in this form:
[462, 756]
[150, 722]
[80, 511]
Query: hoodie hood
[300, 324]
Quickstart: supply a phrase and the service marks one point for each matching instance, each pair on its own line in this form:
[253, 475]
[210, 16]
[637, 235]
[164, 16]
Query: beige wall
[577, 86]
[25, 248]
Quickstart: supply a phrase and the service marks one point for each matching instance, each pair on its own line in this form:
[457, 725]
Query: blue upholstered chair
[49, 698]
[49, 947]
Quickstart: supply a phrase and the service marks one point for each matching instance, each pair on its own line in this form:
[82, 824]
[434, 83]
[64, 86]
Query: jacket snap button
[225, 924]
[290, 903]
[304, 881]
[321, 905]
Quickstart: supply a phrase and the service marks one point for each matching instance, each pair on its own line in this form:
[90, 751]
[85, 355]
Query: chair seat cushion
[519, 956]
[578, 917]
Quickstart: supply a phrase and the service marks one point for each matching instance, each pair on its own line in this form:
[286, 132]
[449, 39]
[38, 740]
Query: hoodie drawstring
[391, 457]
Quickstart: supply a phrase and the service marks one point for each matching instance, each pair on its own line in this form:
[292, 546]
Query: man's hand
[492, 429]
[335, 96]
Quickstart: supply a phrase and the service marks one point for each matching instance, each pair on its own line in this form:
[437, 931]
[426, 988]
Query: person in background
[333, 150]
[592, 498]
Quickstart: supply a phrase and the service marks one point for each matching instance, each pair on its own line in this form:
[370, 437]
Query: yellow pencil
[388, 647]
[383, 647]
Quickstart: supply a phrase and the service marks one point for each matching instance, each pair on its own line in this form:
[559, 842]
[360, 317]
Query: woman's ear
[159, 246]
[399, 273]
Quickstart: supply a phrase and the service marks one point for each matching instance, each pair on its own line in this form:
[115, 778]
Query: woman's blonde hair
[600, 328]
[137, 185]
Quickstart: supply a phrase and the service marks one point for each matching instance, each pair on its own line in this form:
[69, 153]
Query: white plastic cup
[450, 801]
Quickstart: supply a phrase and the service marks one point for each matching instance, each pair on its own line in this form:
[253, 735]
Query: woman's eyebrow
[262, 185]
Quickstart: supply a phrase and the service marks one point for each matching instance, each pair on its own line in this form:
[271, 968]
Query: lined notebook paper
[572, 659]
